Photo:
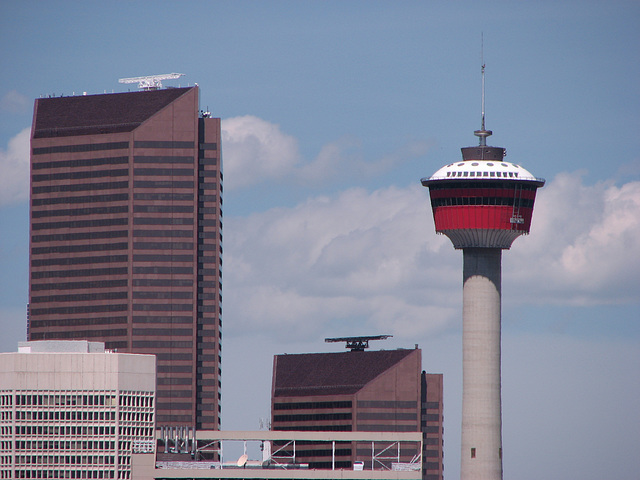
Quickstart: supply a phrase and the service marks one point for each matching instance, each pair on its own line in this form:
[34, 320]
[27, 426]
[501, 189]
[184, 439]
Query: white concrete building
[70, 409]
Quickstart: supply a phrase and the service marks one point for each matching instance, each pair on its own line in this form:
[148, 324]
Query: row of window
[162, 221]
[58, 473]
[21, 460]
[80, 334]
[77, 322]
[57, 445]
[106, 198]
[162, 258]
[48, 177]
[312, 405]
[163, 209]
[163, 246]
[394, 416]
[80, 297]
[78, 285]
[483, 185]
[313, 417]
[101, 222]
[447, 202]
[65, 237]
[74, 212]
[483, 174]
[79, 260]
[92, 247]
[162, 144]
[84, 162]
[162, 159]
[65, 415]
[82, 187]
[168, 319]
[170, 184]
[88, 147]
[74, 310]
[80, 273]
[386, 404]
[163, 172]
[164, 233]
[64, 430]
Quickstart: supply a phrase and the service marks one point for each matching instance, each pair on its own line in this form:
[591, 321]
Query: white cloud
[371, 261]
[14, 165]
[583, 248]
[255, 151]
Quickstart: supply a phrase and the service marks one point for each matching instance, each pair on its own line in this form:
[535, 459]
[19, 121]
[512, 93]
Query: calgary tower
[482, 203]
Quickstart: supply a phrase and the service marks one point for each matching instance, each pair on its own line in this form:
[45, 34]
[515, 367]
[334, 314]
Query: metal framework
[357, 344]
[151, 82]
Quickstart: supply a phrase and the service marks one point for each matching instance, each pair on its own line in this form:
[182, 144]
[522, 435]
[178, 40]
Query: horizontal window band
[92, 247]
[48, 177]
[79, 260]
[80, 297]
[164, 233]
[106, 222]
[164, 196]
[80, 187]
[164, 172]
[79, 285]
[78, 334]
[76, 322]
[173, 320]
[163, 208]
[162, 258]
[79, 273]
[163, 332]
[162, 221]
[78, 309]
[163, 295]
[162, 144]
[163, 159]
[85, 162]
[163, 270]
[74, 212]
[163, 245]
[162, 307]
[114, 197]
[62, 237]
[162, 184]
[88, 147]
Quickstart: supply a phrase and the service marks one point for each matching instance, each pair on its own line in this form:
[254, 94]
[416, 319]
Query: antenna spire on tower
[482, 133]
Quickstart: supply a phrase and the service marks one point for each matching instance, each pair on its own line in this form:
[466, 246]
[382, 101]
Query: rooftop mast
[482, 133]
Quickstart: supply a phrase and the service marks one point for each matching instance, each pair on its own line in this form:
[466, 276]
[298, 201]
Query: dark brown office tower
[365, 391]
[125, 237]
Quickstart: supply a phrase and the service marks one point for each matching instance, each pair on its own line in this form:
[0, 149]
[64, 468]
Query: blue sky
[332, 112]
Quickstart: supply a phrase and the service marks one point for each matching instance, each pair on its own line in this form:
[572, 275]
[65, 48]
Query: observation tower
[482, 203]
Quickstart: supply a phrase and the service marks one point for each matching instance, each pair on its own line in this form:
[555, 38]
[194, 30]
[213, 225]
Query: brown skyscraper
[125, 237]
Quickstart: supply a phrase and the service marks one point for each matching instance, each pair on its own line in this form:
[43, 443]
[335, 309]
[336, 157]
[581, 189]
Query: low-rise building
[70, 409]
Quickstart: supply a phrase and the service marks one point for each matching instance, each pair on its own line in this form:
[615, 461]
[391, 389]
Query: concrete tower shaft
[481, 395]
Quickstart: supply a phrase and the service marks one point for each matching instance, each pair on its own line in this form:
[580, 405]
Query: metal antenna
[482, 133]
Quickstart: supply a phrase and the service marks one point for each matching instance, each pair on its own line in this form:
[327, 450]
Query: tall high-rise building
[126, 234]
[482, 203]
[360, 391]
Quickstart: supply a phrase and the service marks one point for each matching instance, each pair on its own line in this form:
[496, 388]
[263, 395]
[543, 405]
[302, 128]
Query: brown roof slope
[331, 373]
[91, 114]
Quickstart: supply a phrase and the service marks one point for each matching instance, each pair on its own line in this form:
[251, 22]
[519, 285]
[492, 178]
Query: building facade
[126, 234]
[360, 391]
[68, 409]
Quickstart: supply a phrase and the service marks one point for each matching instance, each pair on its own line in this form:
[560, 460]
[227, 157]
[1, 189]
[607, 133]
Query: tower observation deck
[482, 203]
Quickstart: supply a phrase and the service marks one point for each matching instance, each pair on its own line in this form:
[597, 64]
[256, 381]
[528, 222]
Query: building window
[473, 452]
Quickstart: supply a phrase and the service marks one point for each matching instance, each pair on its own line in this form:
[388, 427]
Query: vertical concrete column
[481, 398]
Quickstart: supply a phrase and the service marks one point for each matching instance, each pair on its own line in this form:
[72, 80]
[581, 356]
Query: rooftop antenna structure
[151, 82]
[357, 344]
[483, 133]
